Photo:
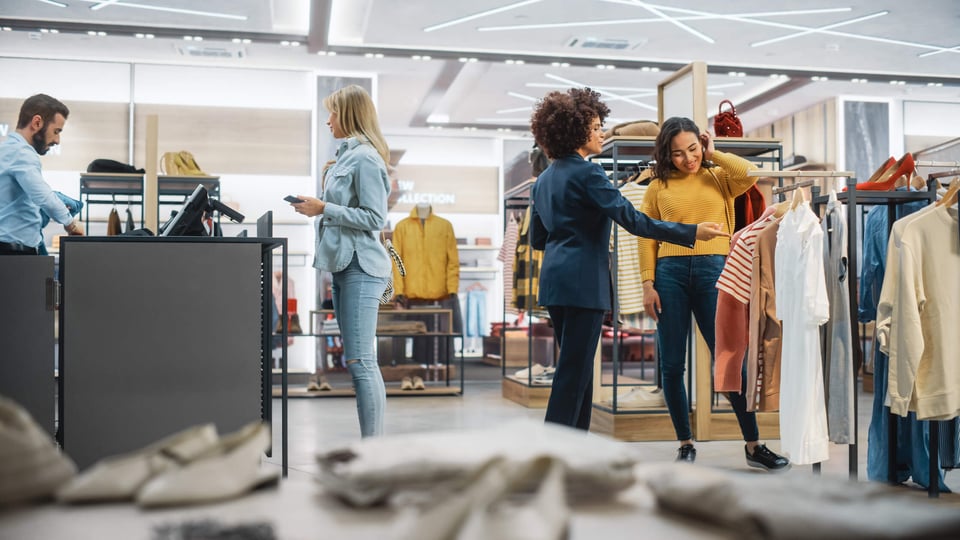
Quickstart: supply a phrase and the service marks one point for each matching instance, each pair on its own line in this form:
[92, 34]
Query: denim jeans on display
[688, 285]
[476, 319]
[356, 302]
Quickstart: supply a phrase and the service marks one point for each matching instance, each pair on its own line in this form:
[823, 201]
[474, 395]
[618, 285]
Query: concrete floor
[317, 423]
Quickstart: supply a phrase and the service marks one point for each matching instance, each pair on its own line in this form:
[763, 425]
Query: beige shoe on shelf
[418, 383]
[406, 384]
[120, 477]
[228, 470]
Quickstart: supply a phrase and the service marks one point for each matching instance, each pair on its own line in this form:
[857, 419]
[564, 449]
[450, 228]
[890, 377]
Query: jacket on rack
[526, 271]
[838, 336]
[429, 253]
[924, 375]
[629, 284]
[765, 332]
[733, 307]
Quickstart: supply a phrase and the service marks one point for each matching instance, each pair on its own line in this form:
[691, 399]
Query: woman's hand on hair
[709, 231]
[311, 206]
[708, 146]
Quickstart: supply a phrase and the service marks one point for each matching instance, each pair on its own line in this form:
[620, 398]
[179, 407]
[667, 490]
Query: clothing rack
[852, 447]
[852, 197]
[519, 197]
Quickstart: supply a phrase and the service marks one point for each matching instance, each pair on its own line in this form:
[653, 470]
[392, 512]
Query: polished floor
[318, 423]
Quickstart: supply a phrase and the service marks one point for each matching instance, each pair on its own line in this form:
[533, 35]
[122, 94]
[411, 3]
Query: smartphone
[293, 200]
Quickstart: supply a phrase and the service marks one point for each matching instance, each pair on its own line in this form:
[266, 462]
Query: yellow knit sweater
[693, 199]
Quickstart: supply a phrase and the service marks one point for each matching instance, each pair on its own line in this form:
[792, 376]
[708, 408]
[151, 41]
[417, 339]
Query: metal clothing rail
[800, 174]
[938, 164]
[783, 189]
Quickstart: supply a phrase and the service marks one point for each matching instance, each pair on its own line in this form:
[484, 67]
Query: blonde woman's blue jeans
[356, 301]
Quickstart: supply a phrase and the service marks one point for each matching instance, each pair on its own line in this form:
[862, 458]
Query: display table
[298, 509]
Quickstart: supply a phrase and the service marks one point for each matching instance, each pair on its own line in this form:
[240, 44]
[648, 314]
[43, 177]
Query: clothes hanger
[950, 197]
[797, 199]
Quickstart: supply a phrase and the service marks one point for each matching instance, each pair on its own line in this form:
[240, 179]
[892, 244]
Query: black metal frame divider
[519, 198]
[103, 188]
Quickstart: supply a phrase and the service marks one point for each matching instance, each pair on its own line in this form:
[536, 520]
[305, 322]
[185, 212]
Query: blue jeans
[688, 285]
[476, 319]
[913, 436]
[356, 302]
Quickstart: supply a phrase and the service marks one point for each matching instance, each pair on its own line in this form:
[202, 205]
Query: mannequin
[428, 246]
[423, 211]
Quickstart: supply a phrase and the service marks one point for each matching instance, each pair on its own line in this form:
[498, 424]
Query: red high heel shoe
[887, 180]
[877, 174]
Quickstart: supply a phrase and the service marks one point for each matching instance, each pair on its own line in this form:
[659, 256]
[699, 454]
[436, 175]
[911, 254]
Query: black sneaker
[687, 453]
[764, 458]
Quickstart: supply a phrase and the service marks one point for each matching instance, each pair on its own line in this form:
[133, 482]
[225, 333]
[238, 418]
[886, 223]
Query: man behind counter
[23, 191]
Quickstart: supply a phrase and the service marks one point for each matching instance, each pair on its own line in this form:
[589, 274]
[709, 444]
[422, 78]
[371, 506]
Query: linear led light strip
[100, 4]
[703, 17]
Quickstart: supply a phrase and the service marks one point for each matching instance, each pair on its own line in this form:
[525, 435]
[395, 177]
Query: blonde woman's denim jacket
[355, 190]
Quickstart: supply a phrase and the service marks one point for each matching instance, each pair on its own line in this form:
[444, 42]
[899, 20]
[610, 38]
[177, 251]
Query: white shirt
[802, 305]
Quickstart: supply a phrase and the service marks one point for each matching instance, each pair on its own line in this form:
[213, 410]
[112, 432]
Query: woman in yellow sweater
[692, 183]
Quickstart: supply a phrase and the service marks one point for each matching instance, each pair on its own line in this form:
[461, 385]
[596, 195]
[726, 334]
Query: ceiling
[490, 60]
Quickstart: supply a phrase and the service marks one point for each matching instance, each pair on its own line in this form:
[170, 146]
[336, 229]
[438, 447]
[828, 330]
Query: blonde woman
[352, 211]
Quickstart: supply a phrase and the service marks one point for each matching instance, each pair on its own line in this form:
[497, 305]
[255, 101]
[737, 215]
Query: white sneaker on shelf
[536, 370]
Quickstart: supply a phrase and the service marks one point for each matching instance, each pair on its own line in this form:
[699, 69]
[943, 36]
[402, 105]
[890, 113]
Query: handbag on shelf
[726, 123]
[387, 295]
[180, 163]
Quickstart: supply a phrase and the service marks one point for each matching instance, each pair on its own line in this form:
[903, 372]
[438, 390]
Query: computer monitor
[188, 221]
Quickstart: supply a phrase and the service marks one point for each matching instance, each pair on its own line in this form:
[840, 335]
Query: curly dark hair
[661, 147]
[561, 121]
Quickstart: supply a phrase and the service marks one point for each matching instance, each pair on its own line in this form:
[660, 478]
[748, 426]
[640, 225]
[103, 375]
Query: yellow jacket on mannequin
[428, 248]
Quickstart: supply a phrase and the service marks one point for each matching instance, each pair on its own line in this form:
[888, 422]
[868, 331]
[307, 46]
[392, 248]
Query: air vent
[211, 51]
[607, 44]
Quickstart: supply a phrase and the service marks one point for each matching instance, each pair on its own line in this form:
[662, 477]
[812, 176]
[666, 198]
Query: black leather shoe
[687, 453]
[764, 458]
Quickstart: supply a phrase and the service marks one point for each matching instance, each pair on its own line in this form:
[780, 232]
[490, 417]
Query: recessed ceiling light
[463, 59]
[332, 53]
[7, 29]
[934, 84]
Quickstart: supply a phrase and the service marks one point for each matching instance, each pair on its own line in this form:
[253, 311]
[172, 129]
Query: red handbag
[726, 123]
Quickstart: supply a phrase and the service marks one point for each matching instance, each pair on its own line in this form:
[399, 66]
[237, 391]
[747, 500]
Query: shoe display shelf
[630, 408]
[400, 335]
[122, 188]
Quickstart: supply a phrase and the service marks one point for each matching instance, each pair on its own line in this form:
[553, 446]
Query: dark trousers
[17, 249]
[577, 331]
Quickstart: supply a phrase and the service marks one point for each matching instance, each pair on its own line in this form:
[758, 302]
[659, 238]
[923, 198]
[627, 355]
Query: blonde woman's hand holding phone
[311, 206]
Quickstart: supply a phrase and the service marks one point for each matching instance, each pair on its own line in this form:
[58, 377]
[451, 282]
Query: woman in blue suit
[573, 205]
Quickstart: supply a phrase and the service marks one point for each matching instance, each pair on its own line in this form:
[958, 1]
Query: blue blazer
[573, 205]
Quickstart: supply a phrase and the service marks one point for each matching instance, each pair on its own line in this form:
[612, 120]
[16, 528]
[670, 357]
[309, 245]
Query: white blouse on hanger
[802, 305]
